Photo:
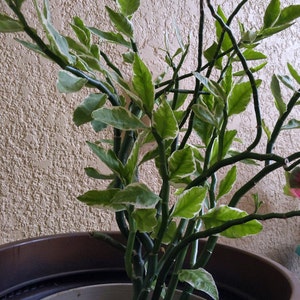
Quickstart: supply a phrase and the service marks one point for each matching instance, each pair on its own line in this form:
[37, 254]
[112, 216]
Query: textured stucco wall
[43, 154]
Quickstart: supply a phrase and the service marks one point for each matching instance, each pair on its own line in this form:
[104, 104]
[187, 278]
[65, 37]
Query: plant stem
[174, 77]
[164, 193]
[248, 73]
[179, 263]
[107, 238]
[130, 246]
[198, 87]
[206, 252]
[232, 160]
[201, 263]
[280, 122]
[260, 175]
[214, 231]
[95, 83]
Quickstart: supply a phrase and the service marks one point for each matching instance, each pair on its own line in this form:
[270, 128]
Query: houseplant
[190, 150]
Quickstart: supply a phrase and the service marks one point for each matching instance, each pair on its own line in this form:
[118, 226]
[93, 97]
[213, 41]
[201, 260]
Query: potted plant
[186, 129]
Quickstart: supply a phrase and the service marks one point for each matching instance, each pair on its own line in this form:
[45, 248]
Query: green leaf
[143, 85]
[122, 24]
[272, 30]
[128, 7]
[118, 117]
[169, 233]
[189, 203]
[222, 214]
[251, 54]
[227, 142]
[266, 129]
[31, 46]
[82, 32]
[112, 37]
[166, 130]
[101, 199]
[137, 194]
[95, 51]
[204, 130]
[210, 53]
[294, 73]
[152, 154]
[90, 62]
[203, 114]
[58, 43]
[145, 219]
[181, 163]
[108, 157]
[292, 124]
[93, 173]
[252, 69]
[240, 97]
[276, 91]
[226, 44]
[128, 57]
[213, 87]
[179, 40]
[272, 13]
[227, 82]
[77, 46]
[200, 280]
[98, 126]
[69, 83]
[83, 113]
[124, 85]
[288, 15]
[257, 202]
[132, 162]
[226, 184]
[19, 3]
[7, 24]
[286, 80]
[179, 101]
[249, 36]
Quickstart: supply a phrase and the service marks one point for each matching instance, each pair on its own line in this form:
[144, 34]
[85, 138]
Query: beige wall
[43, 154]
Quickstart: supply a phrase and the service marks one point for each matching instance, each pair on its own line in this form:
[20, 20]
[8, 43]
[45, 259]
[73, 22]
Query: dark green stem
[201, 263]
[95, 83]
[33, 35]
[110, 64]
[214, 231]
[174, 77]
[206, 252]
[230, 161]
[260, 175]
[209, 150]
[280, 122]
[165, 191]
[248, 73]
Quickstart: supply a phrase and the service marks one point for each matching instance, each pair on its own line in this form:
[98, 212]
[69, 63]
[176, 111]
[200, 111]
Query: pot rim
[19, 248]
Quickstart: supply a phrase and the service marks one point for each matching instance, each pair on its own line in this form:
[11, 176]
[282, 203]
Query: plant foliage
[192, 144]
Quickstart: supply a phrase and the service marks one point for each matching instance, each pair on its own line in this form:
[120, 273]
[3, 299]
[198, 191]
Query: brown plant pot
[36, 268]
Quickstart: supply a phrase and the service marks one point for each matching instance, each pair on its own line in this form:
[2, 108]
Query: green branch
[280, 121]
[211, 232]
[248, 73]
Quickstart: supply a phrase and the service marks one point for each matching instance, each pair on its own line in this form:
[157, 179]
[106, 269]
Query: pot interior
[112, 291]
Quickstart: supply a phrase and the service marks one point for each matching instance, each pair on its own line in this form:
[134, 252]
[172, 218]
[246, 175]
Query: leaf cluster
[144, 111]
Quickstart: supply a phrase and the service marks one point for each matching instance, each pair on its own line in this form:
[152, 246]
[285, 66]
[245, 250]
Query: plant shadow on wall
[161, 112]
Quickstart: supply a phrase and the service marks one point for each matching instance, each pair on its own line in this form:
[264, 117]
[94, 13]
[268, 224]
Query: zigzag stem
[211, 232]
[248, 73]
[280, 121]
